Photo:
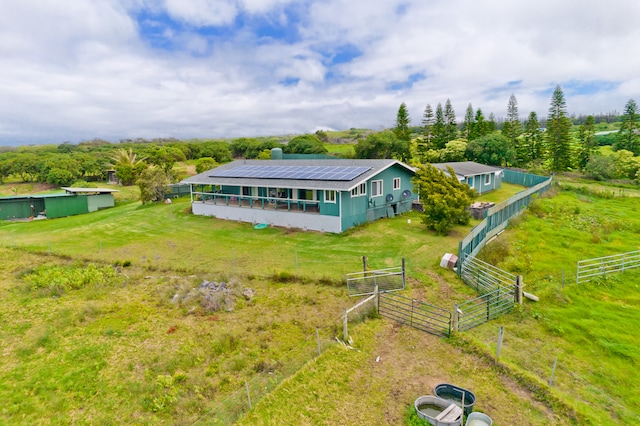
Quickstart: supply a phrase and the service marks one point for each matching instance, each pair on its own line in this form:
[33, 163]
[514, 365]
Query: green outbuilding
[49, 206]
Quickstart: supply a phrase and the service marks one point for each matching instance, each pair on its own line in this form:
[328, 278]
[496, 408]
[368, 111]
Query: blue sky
[116, 69]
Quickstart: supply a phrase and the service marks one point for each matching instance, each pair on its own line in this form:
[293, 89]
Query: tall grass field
[104, 322]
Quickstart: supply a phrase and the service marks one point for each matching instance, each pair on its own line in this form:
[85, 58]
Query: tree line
[549, 144]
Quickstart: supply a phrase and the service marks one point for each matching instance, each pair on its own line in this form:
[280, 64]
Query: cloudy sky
[75, 70]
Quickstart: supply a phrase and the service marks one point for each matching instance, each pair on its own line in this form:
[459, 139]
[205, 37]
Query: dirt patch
[408, 363]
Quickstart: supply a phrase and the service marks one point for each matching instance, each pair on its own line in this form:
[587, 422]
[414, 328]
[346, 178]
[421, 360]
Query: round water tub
[453, 393]
[260, 226]
[478, 419]
[435, 410]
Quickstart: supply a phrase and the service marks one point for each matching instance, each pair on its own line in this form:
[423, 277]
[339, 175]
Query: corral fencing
[482, 309]
[497, 217]
[364, 283]
[484, 277]
[499, 290]
[414, 313]
[591, 269]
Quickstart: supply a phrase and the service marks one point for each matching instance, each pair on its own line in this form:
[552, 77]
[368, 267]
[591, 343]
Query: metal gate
[485, 308]
[484, 277]
[363, 283]
[414, 313]
[591, 269]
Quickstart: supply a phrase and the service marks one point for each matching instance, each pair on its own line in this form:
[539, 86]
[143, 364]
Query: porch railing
[257, 202]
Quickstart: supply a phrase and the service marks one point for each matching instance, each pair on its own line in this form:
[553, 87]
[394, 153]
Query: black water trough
[455, 394]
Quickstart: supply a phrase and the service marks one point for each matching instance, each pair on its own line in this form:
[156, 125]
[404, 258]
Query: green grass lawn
[121, 351]
[589, 327]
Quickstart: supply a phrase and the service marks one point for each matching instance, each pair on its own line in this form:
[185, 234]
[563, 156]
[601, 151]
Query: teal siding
[495, 182]
[363, 209]
[329, 209]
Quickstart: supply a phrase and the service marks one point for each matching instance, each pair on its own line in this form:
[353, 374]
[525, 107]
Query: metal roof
[467, 168]
[374, 167]
[90, 190]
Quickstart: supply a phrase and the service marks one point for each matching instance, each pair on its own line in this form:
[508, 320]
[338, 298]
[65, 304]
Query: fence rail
[484, 308]
[599, 267]
[364, 283]
[497, 217]
[417, 314]
[484, 277]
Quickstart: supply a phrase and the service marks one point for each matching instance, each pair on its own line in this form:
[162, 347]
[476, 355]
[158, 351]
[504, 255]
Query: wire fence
[558, 370]
[225, 262]
[233, 406]
[497, 218]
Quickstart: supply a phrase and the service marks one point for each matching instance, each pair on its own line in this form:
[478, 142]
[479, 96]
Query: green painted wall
[66, 206]
[20, 208]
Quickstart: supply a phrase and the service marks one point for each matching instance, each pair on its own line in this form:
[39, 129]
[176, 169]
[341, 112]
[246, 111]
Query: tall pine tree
[467, 124]
[439, 129]
[451, 125]
[427, 127]
[512, 128]
[401, 129]
[558, 135]
[480, 126]
[629, 135]
[402, 132]
[588, 142]
[532, 139]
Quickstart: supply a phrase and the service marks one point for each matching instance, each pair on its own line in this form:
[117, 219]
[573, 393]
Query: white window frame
[487, 179]
[359, 191]
[374, 184]
[330, 199]
[397, 183]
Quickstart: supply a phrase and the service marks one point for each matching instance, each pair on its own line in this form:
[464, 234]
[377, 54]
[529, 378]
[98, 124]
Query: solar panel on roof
[340, 173]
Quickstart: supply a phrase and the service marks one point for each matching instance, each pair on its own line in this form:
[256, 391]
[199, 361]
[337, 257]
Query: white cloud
[203, 12]
[81, 69]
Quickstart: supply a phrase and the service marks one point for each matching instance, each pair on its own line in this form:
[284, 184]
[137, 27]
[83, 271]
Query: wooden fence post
[345, 326]
[455, 319]
[499, 345]
[519, 286]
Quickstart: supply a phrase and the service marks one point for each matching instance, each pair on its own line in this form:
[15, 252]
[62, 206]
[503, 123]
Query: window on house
[359, 190]
[487, 179]
[470, 182]
[329, 196]
[396, 183]
[376, 188]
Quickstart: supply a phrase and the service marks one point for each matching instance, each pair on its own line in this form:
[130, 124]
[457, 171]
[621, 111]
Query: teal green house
[321, 195]
[478, 176]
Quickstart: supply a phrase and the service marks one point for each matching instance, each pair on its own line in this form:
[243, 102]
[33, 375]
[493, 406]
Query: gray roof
[467, 168]
[376, 166]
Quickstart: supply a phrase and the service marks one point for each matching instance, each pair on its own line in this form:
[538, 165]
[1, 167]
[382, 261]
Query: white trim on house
[379, 185]
[397, 183]
[330, 196]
